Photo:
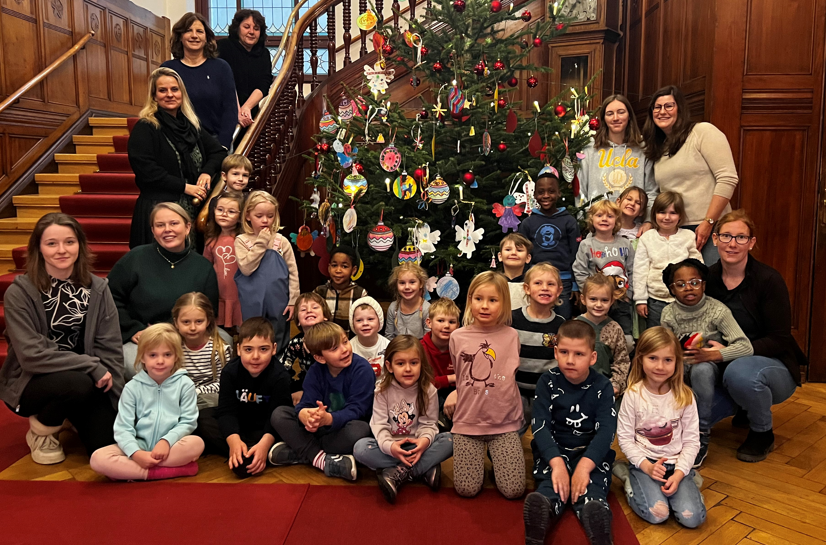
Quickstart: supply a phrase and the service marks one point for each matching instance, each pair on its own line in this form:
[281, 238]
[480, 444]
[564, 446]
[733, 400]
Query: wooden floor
[781, 500]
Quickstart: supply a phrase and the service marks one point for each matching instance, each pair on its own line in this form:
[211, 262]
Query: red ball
[468, 177]
[387, 49]
[414, 81]
[594, 124]
[437, 67]
[479, 69]
[502, 102]
[498, 65]
[424, 50]
[560, 26]
[325, 147]
[537, 42]
[560, 110]
[526, 16]
[496, 6]
[532, 82]
[423, 114]
[418, 174]
[525, 43]
[513, 82]
[459, 6]
[502, 147]
[359, 168]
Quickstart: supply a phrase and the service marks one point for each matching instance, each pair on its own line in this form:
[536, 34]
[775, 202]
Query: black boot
[537, 514]
[596, 521]
[756, 447]
[703, 452]
[391, 479]
[433, 477]
[740, 420]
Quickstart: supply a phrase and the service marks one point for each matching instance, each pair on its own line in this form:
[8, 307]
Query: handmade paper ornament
[390, 158]
[319, 248]
[346, 108]
[303, 239]
[527, 196]
[344, 153]
[468, 237]
[507, 213]
[447, 286]
[409, 252]
[348, 222]
[380, 238]
[378, 76]
[355, 184]
[429, 286]
[568, 170]
[438, 191]
[404, 186]
[456, 101]
[486, 143]
[328, 123]
[360, 269]
[315, 198]
[367, 20]
[535, 144]
[426, 238]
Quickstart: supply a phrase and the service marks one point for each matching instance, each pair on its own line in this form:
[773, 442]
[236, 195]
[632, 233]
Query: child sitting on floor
[515, 254]
[310, 310]
[442, 319]
[366, 320]
[340, 291]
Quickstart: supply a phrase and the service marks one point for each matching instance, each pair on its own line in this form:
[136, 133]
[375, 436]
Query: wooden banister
[15, 96]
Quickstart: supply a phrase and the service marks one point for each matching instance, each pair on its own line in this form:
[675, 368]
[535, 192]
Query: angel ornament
[468, 237]
[378, 77]
[427, 239]
[507, 213]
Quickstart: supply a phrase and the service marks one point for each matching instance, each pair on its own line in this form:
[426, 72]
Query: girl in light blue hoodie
[157, 413]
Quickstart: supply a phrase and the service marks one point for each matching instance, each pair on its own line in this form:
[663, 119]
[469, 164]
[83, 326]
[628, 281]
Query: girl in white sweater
[665, 243]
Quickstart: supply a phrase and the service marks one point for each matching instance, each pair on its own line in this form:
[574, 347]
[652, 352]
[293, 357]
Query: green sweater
[713, 320]
[145, 286]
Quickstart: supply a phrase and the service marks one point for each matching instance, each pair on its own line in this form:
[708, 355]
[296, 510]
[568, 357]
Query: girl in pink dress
[223, 226]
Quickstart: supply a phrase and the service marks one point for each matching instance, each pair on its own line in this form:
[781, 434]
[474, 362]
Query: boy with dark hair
[515, 254]
[574, 423]
[340, 291]
[334, 409]
[252, 386]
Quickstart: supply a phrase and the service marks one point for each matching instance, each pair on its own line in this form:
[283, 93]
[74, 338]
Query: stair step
[35, 206]
[56, 177]
[85, 143]
[106, 229]
[7, 250]
[76, 163]
[21, 224]
[113, 162]
[6, 265]
[120, 143]
[57, 184]
[109, 126]
[96, 206]
[106, 254]
[14, 236]
[108, 182]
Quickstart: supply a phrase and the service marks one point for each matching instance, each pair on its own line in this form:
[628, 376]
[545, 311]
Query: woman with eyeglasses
[708, 333]
[693, 159]
[758, 298]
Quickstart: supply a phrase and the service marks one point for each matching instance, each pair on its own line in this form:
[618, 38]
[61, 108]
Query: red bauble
[525, 43]
[502, 102]
[496, 6]
[498, 65]
[559, 110]
[537, 42]
[468, 177]
[424, 50]
[513, 82]
[459, 6]
[502, 147]
[418, 174]
[325, 147]
[594, 124]
[437, 67]
[479, 69]
[423, 114]
[387, 49]
[414, 81]
[359, 168]
[560, 26]
[526, 16]
[532, 82]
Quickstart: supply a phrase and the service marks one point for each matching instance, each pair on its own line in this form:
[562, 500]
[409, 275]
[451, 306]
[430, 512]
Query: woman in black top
[246, 53]
[758, 298]
[173, 158]
[65, 360]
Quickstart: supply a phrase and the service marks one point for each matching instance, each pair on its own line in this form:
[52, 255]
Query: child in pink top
[485, 354]
[224, 225]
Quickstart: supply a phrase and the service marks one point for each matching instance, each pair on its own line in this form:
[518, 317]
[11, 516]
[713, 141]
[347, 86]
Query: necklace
[171, 263]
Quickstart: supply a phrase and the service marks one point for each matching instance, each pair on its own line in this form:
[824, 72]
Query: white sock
[318, 461]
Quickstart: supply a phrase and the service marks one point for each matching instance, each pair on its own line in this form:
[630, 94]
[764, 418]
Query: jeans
[703, 378]
[647, 499]
[565, 308]
[307, 444]
[709, 250]
[754, 383]
[367, 452]
[655, 311]
[130, 354]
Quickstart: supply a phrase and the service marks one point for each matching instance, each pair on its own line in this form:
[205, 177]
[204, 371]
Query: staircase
[95, 185]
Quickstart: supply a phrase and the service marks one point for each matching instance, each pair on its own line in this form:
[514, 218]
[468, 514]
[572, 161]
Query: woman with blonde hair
[173, 158]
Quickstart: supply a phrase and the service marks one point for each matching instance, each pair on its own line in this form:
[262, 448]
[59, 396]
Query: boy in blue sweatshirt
[574, 424]
[554, 234]
[334, 410]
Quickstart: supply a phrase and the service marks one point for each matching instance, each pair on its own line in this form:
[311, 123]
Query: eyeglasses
[694, 283]
[228, 211]
[667, 107]
[725, 238]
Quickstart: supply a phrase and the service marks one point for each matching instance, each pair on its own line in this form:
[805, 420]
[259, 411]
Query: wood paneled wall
[108, 76]
[753, 68]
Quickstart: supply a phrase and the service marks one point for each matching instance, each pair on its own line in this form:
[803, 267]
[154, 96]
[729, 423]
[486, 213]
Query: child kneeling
[331, 416]
[405, 408]
[157, 412]
[573, 427]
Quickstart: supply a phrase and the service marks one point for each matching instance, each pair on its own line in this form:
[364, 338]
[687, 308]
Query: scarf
[184, 138]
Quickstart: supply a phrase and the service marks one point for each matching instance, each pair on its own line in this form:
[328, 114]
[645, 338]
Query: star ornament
[438, 110]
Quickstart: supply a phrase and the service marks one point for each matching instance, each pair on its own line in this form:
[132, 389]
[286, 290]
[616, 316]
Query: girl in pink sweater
[485, 355]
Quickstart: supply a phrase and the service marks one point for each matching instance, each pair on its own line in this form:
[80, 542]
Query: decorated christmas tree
[441, 185]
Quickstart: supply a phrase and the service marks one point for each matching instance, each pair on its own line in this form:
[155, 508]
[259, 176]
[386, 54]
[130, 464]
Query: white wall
[172, 9]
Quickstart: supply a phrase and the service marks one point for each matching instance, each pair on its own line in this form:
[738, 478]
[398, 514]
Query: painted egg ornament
[328, 123]
[380, 238]
[410, 253]
[404, 186]
[348, 222]
[438, 190]
[346, 108]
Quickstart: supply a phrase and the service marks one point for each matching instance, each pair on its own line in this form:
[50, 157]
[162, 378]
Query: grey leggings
[506, 455]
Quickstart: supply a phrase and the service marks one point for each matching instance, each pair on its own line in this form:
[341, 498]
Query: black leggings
[55, 397]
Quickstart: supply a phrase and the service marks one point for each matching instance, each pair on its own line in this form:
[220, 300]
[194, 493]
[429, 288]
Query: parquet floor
[780, 500]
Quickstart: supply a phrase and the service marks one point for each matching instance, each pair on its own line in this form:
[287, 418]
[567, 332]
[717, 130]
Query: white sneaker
[43, 442]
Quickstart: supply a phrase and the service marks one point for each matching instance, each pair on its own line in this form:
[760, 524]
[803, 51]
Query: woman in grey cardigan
[65, 359]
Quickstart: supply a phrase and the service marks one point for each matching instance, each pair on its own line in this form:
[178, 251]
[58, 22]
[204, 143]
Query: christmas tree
[464, 158]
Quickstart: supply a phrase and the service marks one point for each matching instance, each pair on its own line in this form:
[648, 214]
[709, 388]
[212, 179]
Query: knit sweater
[611, 170]
[713, 320]
[440, 362]
[348, 396]
[145, 286]
[573, 417]
[339, 301]
[396, 415]
[537, 337]
[650, 427]
[555, 237]
[612, 352]
[703, 167]
[211, 89]
[486, 360]
[250, 249]
[615, 258]
[296, 351]
[654, 253]
[399, 323]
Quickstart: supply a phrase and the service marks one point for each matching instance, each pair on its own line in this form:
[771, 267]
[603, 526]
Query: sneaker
[756, 447]
[596, 521]
[537, 516]
[340, 465]
[43, 443]
[433, 477]
[740, 420]
[282, 455]
[391, 479]
[703, 452]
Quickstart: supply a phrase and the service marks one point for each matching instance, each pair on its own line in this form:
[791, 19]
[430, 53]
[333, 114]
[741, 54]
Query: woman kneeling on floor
[65, 362]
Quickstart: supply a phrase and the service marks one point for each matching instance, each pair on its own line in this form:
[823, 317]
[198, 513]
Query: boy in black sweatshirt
[574, 424]
[253, 385]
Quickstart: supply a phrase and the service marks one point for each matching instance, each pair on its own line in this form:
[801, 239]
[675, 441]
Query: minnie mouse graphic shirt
[397, 415]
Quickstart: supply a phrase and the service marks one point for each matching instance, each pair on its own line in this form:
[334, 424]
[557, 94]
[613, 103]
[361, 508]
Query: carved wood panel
[21, 59]
[771, 23]
[61, 85]
[119, 65]
[140, 63]
[97, 81]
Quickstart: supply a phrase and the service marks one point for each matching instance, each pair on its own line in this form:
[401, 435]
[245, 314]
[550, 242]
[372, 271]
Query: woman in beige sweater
[693, 159]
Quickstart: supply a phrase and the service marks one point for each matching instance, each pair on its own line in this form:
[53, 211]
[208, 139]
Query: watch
[709, 221]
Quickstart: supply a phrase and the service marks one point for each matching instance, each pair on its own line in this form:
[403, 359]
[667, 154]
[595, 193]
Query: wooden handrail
[15, 96]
